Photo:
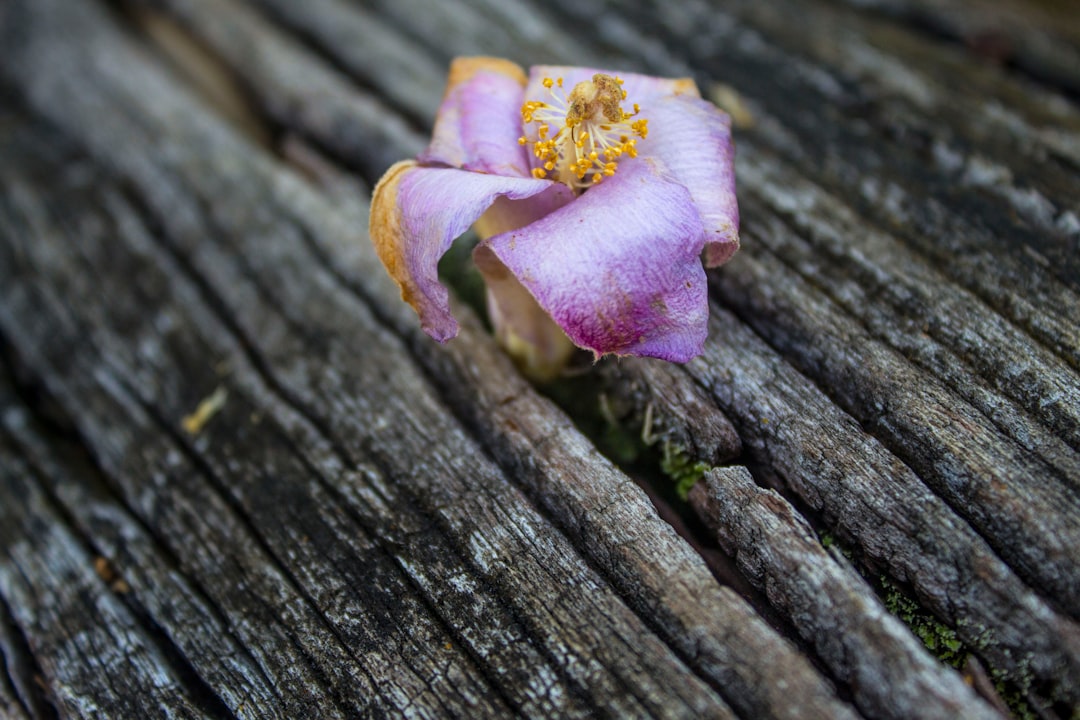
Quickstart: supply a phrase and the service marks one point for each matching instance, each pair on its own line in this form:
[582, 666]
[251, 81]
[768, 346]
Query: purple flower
[597, 197]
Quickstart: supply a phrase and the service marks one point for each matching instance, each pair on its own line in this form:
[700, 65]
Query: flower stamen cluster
[581, 138]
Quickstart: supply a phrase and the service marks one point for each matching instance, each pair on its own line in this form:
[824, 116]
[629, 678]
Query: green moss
[620, 444]
[677, 464]
[940, 639]
[1015, 689]
[1016, 700]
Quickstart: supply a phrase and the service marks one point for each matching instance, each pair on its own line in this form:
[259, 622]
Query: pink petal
[692, 138]
[417, 212]
[524, 329]
[618, 269]
[527, 333]
[479, 120]
[506, 214]
[641, 89]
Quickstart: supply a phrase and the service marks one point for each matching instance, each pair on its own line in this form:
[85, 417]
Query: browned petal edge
[685, 86]
[463, 69]
[387, 235]
[718, 253]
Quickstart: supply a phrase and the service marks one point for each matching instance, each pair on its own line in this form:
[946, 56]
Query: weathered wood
[339, 626]
[294, 89]
[830, 604]
[370, 49]
[84, 628]
[226, 660]
[373, 523]
[594, 506]
[967, 333]
[945, 201]
[1040, 39]
[662, 403]
[953, 447]
[713, 629]
[798, 439]
[21, 695]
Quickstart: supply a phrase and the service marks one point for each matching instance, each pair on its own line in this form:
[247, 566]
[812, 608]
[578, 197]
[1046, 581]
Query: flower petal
[524, 329]
[692, 138]
[641, 89]
[479, 120]
[417, 212]
[506, 214]
[618, 269]
[538, 346]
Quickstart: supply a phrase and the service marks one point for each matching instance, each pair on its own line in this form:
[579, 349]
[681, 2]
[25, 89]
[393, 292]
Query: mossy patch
[677, 464]
[940, 639]
[943, 642]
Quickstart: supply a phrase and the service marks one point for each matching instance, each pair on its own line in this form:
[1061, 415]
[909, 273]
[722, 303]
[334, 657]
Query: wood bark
[238, 481]
[828, 601]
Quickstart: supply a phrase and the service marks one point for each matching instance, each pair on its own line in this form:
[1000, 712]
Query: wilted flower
[596, 195]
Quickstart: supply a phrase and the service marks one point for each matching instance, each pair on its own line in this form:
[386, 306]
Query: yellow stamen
[600, 131]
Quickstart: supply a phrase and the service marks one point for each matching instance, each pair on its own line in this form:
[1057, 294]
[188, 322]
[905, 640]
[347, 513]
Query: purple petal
[692, 138]
[479, 120]
[506, 214]
[618, 269]
[417, 212]
[524, 329]
[641, 89]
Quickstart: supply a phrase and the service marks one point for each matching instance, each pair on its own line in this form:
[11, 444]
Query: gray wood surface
[236, 479]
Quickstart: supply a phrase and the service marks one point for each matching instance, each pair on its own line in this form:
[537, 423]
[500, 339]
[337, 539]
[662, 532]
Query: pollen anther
[600, 133]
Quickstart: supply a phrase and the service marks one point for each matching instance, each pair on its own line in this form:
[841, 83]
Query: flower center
[580, 138]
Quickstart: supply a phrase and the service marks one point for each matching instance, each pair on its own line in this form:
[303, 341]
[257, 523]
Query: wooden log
[794, 434]
[21, 693]
[940, 329]
[954, 448]
[608, 515]
[831, 605]
[217, 666]
[939, 200]
[757, 61]
[363, 607]
[294, 89]
[80, 627]
[1039, 40]
[521, 426]
[372, 50]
